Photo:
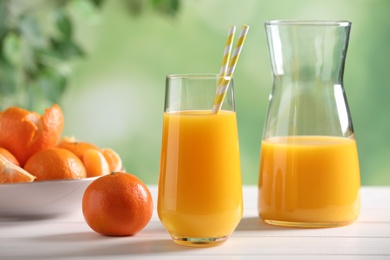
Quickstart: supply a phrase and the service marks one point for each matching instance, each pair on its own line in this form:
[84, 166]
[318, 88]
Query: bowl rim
[47, 181]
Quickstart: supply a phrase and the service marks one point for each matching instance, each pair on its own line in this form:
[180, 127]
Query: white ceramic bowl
[42, 199]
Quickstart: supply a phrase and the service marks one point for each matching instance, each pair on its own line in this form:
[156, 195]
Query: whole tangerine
[55, 164]
[117, 204]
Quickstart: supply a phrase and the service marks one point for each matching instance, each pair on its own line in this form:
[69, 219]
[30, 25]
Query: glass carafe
[309, 168]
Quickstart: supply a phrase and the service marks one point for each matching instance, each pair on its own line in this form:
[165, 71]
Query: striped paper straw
[226, 53]
[224, 81]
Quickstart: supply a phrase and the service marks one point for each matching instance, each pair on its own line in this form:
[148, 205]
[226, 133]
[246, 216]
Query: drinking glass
[309, 168]
[200, 187]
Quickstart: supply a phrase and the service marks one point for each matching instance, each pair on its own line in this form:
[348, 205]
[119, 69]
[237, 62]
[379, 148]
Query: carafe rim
[341, 23]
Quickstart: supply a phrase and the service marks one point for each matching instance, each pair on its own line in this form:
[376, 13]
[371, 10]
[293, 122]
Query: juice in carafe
[313, 180]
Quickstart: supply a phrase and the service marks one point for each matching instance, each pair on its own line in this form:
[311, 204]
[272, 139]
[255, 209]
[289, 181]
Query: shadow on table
[93, 244]
[256, 224]
[11, 219]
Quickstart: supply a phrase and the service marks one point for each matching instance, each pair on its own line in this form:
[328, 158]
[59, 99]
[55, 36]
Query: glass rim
[341, 23]
[197, 76]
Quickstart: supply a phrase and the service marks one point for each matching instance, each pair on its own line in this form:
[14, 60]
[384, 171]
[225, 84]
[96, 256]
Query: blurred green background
[116, 92]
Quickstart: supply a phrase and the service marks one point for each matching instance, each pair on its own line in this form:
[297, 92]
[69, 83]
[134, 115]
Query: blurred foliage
[37, 46]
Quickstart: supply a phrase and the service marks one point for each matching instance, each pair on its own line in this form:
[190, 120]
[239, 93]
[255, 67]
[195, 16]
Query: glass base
[305, 224]
[199, 241]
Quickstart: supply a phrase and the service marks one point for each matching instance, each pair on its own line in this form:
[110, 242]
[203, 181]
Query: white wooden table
[69, 237]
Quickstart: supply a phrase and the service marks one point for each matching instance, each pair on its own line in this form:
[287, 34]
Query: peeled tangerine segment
[75, 146]
[113, 159]
[10, 173]
[95, 163]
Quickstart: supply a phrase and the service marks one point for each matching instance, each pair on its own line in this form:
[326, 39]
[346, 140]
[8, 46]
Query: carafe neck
[308, 50]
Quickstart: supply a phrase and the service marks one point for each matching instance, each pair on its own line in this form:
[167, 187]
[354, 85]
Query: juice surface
[200, 187]
[313, 179]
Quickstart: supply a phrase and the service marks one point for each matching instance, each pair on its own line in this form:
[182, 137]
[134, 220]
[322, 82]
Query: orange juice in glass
[200, 188]
[309, 168]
